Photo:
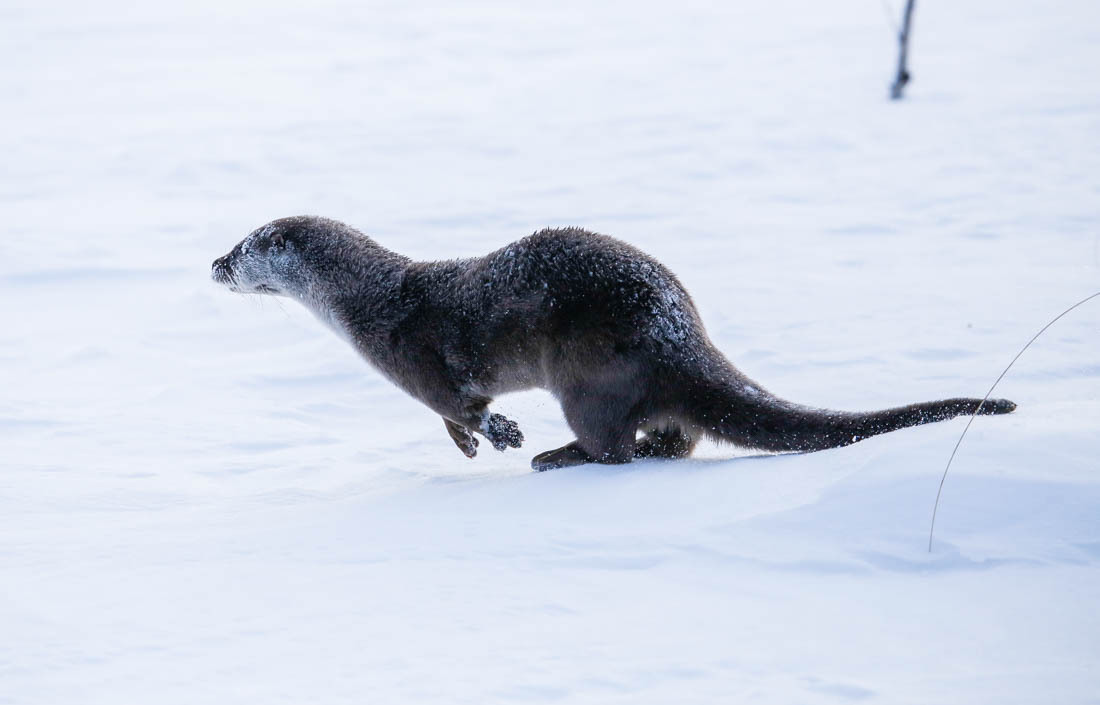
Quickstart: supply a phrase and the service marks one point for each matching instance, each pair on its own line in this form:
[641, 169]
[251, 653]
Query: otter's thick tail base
[762, 421]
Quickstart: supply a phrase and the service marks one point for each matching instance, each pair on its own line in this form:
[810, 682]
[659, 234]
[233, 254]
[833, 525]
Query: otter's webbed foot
[564, 457]
[466, 441]
[501, 431]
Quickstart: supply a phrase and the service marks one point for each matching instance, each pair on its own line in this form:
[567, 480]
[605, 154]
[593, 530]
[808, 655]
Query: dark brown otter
[605, 328]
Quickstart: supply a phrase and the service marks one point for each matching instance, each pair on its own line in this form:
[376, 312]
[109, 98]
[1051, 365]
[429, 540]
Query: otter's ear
[277, 240]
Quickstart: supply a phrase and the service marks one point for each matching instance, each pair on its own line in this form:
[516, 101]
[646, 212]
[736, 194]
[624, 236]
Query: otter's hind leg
[669, 442]
[567, 456]
[606, 423]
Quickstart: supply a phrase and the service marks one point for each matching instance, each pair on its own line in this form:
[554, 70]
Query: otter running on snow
[605, 328]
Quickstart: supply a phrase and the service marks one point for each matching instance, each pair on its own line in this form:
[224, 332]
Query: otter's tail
[737, 411]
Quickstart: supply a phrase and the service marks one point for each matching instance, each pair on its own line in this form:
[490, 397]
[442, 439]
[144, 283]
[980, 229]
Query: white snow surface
[208, 498]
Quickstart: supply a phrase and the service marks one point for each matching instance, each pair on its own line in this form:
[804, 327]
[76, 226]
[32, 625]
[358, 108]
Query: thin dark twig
[903, 53]
[936, 506]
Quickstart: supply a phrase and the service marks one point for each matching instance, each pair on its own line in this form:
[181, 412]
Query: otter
[608, 330]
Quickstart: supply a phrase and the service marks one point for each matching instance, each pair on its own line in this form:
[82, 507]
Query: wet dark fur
[604, 327]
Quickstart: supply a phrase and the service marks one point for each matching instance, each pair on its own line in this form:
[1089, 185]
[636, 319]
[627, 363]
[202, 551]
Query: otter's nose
[219, 270]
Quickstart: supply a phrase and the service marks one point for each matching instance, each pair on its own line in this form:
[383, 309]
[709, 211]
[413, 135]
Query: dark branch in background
[903, 54]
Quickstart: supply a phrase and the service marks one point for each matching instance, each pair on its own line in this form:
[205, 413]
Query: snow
[206, 497]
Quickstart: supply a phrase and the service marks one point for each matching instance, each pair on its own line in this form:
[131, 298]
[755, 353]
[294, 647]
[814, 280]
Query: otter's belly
[516, 371]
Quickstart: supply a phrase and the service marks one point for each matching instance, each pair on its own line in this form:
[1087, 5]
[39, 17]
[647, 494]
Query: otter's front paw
[466, 441]
[502, 432]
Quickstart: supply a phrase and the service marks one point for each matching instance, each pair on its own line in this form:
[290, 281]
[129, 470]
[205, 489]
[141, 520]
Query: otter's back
[579, 280]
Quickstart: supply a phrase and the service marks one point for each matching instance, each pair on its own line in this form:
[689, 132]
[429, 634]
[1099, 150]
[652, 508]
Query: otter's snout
[221, 270]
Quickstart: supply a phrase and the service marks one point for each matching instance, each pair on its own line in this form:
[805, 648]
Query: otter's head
[268, 261]
[331, 268]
